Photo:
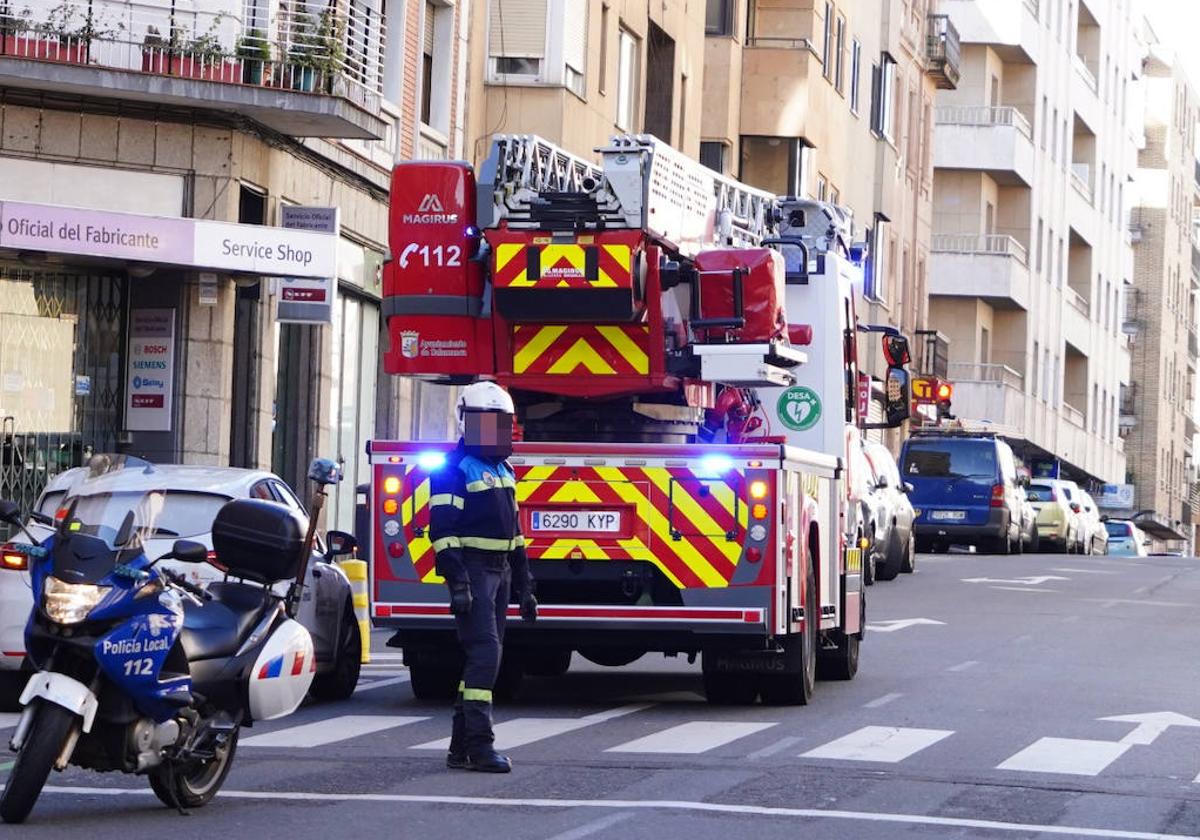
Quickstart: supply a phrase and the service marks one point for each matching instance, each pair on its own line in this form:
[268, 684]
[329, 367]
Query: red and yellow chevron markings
[563, 350]
[563, 266]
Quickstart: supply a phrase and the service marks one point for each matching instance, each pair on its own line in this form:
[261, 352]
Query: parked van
[965, 491]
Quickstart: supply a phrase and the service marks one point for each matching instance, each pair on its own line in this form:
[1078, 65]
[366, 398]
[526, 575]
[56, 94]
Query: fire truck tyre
[611, 657]
[546, 663]
[796, 688]
[721, 689]
[841, 663]
[339, 682]
[432, 683]
[908, 563]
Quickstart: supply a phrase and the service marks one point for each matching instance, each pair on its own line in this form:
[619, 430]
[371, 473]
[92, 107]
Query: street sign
[307, 300]
[924, 389]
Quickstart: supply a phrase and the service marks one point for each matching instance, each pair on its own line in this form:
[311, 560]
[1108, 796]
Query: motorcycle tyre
[176, 790]
[49, 730]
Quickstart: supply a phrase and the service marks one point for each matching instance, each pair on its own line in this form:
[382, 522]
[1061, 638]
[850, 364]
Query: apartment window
[718, 19]
[855, 73]
[1046, 374]
[628, 49]
[1033, 372]
[822, 188]
[603, 80]
[883, 104]
[878, 266]
[712, 155]
[1062, 249]
[1054, 145]
[839, 74]
[517, 39]
[985, 346]
[835, 195]
[1045, 120]
[1040, 246]
[827, 45]
[427, 63]
[574, 40]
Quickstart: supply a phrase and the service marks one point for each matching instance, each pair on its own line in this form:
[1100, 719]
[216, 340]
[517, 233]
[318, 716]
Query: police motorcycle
[139, 670]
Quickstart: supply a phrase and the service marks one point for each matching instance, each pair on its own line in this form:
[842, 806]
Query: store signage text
[150, 377]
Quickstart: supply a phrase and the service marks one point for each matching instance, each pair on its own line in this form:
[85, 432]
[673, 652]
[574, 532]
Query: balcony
[1081, 181]
[776, 73]
[981, 138]
[1073, 416]
[1014, 36]
[992, 267]
[995, 393]
[943, 51]
[1077, 320]
[304, 70]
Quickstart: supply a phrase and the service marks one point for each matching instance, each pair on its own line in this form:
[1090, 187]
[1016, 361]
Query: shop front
[108, 325]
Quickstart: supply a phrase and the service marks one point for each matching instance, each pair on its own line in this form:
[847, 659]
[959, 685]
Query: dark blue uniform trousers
[481, 634]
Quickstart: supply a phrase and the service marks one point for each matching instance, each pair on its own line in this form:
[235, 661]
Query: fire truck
[683, 354]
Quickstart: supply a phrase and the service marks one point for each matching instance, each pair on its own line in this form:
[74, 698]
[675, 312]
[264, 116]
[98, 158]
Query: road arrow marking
[899, 624]
[1150, 725]
[1033, 580]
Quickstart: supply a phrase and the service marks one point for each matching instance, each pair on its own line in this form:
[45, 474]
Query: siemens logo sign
[149, 364]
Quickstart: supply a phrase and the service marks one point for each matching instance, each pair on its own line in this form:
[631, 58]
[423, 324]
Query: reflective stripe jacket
[473, 508]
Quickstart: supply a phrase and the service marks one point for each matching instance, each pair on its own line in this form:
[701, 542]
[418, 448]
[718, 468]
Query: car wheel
[908, 563]
[1035, 542]
[893, 560]
[869, 562]
[339, 682]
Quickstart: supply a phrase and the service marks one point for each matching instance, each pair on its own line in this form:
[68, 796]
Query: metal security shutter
[430, 14]
[575, 24]
[517, 28]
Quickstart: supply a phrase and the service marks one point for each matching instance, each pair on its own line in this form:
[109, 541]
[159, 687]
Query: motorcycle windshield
[114, 503]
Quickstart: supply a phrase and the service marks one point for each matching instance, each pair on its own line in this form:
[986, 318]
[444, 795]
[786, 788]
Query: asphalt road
[981, 710]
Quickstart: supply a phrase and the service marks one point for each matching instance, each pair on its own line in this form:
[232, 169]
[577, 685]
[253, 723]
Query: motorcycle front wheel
[194, 784]
[43, 743]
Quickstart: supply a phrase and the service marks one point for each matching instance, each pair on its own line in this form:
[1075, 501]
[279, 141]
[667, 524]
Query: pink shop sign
[96, 233]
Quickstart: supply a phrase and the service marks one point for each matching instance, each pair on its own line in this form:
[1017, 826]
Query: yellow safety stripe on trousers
[461, 686]
[489, 543]
[447, 542]
[497, 481]
[479, 695]
[447, 499]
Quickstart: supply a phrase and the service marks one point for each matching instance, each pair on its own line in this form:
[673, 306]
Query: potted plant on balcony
[156, 52]
[13, 26]
[204, 57]
[316, 52]
[254, 50]
[61, 39]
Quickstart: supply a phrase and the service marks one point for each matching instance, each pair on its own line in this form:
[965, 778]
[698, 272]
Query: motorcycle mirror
[339, 544]
[10, 512]
[324, 471]
[188, 551]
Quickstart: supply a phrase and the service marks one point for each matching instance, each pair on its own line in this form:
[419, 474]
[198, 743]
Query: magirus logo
[430, 211]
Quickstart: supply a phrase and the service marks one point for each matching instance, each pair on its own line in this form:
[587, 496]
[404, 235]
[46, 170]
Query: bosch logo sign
[430, 211]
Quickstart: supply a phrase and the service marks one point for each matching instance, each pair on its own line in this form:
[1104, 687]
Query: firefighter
[480, 551]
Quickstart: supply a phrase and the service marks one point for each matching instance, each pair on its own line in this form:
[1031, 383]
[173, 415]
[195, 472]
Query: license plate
[947, 514]
[570, 521]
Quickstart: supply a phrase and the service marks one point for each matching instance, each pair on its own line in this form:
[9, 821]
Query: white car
[193, 495]
[1126, 539]
[1094, 536]
[893, 515]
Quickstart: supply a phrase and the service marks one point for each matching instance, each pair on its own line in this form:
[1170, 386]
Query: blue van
[965, 491]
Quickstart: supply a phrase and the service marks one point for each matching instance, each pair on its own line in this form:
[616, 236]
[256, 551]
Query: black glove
[529, 607]
[460, 598]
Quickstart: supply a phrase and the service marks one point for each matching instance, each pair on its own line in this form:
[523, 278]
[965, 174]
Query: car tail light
[997, 495]
[13, 558]
[215, 563]
[1075, 507]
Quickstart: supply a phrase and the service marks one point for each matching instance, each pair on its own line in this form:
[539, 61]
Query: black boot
[456, 758]
[489, 762]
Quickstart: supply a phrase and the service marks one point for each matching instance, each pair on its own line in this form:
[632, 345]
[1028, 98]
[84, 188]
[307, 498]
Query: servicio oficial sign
[195, 243]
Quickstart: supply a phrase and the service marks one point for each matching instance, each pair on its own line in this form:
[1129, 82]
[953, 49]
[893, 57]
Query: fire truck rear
[638, 312]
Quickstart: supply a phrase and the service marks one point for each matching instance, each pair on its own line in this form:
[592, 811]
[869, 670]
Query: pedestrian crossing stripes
[692, 738]
[886, 744]
[1071, 756]
[518, 732]
[331, 730]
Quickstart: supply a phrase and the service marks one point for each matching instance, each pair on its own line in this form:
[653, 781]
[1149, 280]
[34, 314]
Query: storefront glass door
[355, 360]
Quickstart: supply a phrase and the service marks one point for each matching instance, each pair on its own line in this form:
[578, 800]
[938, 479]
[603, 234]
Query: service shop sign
[151, 374]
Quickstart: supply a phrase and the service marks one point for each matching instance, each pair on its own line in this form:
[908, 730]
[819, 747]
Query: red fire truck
[683, 468]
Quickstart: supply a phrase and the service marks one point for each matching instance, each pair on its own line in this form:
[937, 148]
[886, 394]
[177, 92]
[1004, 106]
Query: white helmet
[483, 396]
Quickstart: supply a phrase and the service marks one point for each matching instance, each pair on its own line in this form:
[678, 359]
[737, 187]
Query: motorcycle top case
[283, 672]
[258, 540]
[433, 287]
[763, 293]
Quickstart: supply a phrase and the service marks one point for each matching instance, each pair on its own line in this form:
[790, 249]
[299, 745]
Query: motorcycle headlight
[70, 603]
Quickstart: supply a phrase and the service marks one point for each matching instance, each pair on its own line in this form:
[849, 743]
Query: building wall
[1160, 409]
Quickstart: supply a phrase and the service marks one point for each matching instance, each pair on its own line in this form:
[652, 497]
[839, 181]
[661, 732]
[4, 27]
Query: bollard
[356, 571]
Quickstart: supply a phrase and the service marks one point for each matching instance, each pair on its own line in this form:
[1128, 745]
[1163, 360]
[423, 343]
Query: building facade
[1032, 158]
[212, 124]
[1158, 404]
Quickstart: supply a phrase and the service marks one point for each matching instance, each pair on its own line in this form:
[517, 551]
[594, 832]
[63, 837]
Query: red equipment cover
[433, 288]
[762, 294]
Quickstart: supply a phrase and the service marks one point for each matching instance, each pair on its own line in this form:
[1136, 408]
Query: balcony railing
[301, 45]
[944, 52]
[780, 42]
[984, 115]
[1081, 176]
[1087, 69]
[977, 372]
[1034, 7]
[1073, 415]
[995, 244]
[1078, 301]
[1196, 174]
[1193, 345]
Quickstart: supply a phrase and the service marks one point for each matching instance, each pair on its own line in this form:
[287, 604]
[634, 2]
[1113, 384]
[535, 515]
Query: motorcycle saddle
[218, 627]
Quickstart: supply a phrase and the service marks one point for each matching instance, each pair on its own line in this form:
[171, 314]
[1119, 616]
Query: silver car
[897, 549]
[193, 495]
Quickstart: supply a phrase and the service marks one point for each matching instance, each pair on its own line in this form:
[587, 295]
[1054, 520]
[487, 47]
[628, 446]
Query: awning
[165, 240]
[1158, 530]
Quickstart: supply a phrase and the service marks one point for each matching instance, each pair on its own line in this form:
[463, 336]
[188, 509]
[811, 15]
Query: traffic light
[945, 391]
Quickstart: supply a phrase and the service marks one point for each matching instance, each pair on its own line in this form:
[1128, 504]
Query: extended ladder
[641, 183]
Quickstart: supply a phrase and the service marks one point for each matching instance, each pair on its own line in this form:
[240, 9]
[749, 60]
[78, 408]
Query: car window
[262, 490]
[287, 496]
[187, 514]
[884, 463]
[49, 502]
[950, 459]
[1067, 492]
[1119, 529]
[1041, 493]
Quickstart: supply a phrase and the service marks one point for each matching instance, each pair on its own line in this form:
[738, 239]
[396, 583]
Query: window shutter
[575, 25]
[430, 14]
[517, 28]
